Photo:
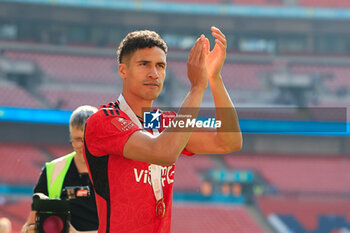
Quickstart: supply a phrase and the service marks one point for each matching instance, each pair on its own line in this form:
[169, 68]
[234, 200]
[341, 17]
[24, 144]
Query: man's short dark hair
[140, 40]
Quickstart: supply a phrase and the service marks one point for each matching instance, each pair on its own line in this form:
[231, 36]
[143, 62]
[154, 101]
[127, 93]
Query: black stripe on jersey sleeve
[105, 110]
[110, 109]
[116, 108]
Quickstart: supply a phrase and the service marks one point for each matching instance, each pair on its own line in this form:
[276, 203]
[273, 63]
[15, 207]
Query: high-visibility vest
[56, 171]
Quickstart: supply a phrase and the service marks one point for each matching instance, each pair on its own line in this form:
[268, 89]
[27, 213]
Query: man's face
[77, 137]
[144, 73]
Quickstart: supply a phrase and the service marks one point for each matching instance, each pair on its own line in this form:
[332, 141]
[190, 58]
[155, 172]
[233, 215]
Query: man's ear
[122, 68]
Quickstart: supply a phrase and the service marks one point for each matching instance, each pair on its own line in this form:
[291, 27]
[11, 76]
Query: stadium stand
[339, 75]
[314, 174]
[72, 68]
[15, 96]
[306, 214]
[26, 160]
[188, 169]
[203, 218]
[71, 99]
[236, 75]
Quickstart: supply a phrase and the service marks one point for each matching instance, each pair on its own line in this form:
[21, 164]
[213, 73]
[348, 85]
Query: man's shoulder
[107, 111]
[107, 118]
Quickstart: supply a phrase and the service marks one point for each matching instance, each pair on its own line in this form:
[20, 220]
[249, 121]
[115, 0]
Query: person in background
[70, 170]
[5, 225]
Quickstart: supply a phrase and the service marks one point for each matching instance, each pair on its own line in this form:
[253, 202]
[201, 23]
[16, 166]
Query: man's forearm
[145, 147]
[229, 133]
[175, 140]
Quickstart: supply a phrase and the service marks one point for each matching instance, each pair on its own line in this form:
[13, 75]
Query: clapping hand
[215, 59]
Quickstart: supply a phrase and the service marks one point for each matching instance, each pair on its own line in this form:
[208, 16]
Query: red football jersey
[124, 195]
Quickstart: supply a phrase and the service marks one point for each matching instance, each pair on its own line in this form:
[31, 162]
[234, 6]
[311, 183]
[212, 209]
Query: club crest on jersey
[122, 124]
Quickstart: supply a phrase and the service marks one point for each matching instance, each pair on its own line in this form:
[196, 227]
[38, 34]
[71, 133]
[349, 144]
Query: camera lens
[53, 224]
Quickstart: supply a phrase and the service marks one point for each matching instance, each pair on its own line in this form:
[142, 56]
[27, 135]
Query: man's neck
[137, 104]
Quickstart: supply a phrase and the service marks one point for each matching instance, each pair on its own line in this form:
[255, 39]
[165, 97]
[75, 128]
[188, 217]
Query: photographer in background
[70, 170]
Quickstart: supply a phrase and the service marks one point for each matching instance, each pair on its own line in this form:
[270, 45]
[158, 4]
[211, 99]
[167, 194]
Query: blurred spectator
[5, 225]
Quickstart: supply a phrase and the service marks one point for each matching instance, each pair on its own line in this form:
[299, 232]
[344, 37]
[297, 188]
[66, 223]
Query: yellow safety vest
[56, 171]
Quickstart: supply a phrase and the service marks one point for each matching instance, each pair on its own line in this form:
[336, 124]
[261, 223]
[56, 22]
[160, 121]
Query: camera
[53, 215]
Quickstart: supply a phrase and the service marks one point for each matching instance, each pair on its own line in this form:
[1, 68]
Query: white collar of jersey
[123, 105]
